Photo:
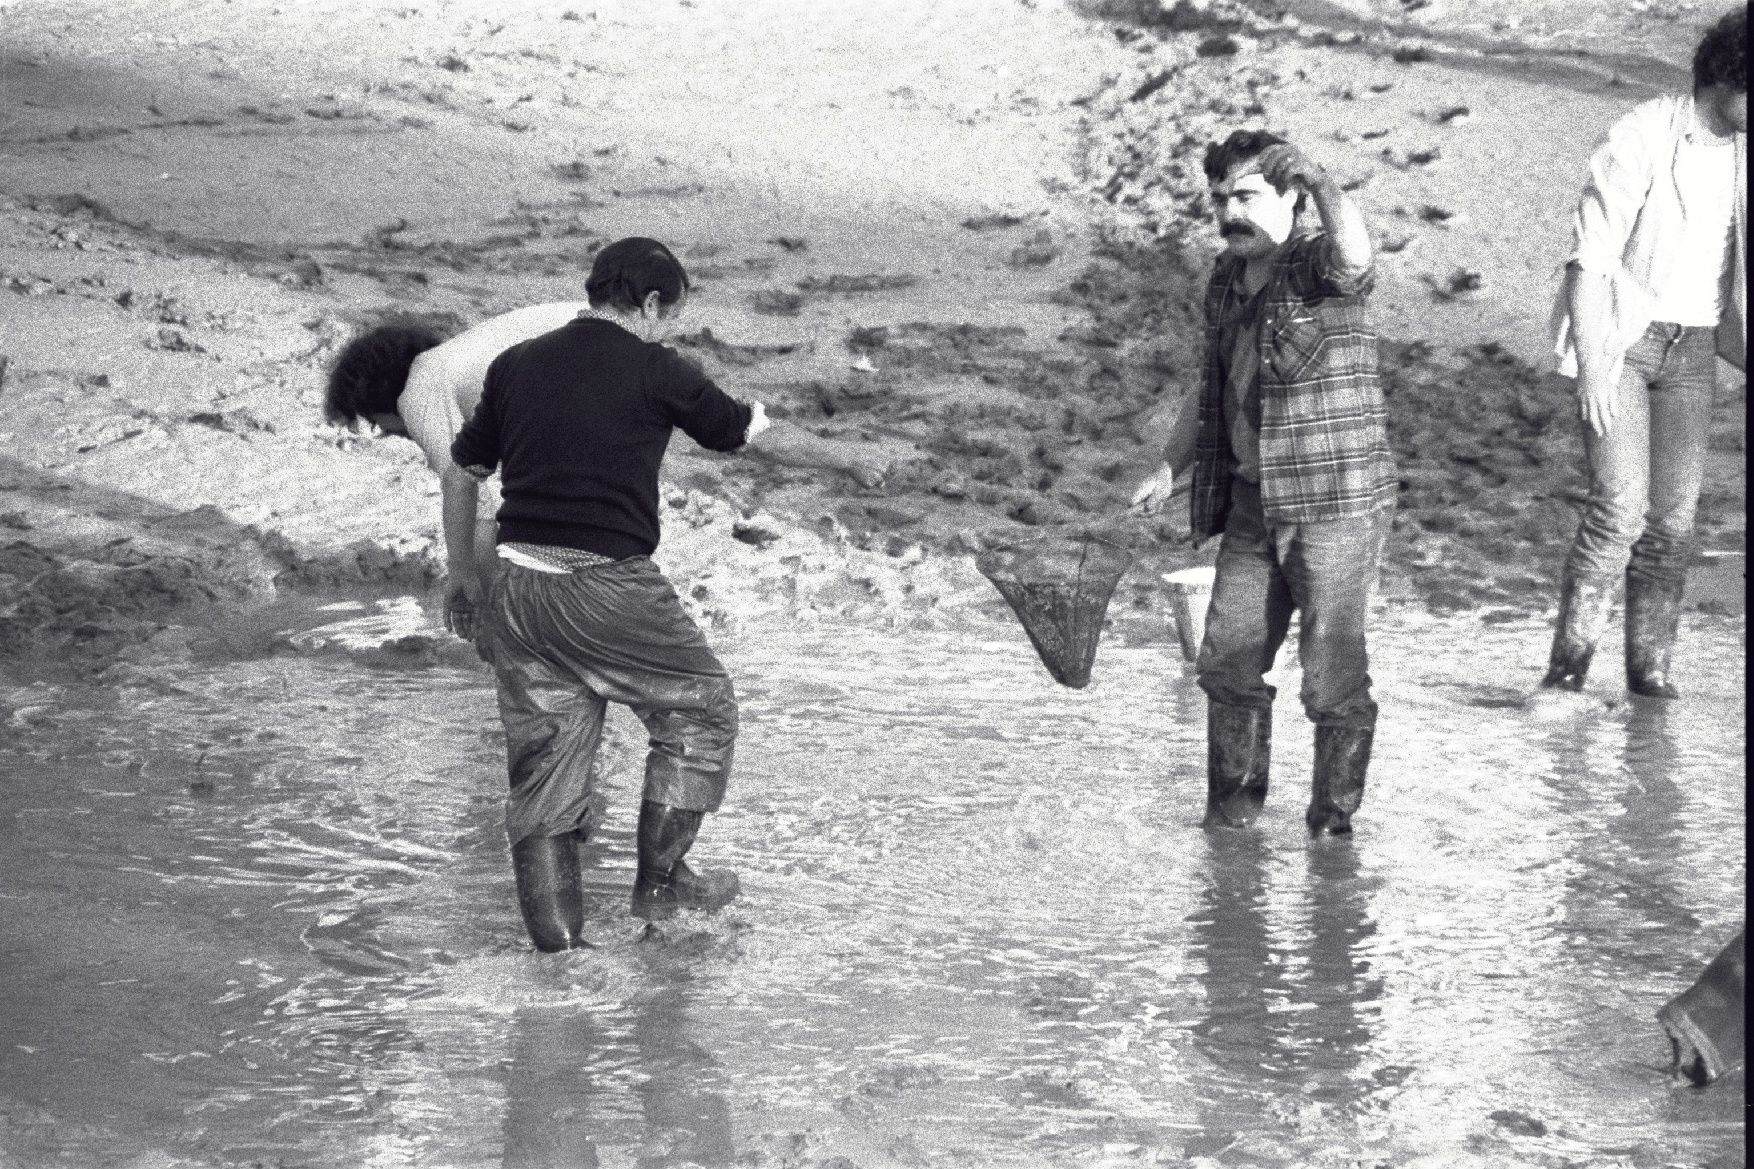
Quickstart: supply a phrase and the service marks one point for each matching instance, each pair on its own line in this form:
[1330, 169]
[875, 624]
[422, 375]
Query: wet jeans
[564, 646]
[1645, 472]
[1325, 571]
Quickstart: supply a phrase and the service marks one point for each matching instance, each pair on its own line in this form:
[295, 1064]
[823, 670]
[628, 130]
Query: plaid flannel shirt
[1324, 446]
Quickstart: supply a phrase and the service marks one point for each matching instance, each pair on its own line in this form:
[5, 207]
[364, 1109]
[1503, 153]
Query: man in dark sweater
[576, 421]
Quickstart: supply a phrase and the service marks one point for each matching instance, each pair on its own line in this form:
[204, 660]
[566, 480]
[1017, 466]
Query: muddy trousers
[564, 646]
[1324, 571]
[1645, 474]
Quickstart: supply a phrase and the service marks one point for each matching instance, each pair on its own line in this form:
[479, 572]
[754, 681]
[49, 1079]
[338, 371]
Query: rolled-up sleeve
[1621, 171]
[1316, 267]
[476, 447]
[691, 401]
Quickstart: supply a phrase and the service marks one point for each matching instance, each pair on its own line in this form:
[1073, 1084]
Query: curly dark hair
[1722, 55]
[371, 372]
[1241, 146]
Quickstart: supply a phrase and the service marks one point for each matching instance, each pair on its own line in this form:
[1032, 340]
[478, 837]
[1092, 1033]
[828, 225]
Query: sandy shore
[969, 237]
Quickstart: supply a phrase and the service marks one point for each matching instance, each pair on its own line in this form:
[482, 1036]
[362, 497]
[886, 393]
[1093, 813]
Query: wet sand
[204, 201]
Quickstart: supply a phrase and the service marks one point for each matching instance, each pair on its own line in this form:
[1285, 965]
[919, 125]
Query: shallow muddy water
[260, 911]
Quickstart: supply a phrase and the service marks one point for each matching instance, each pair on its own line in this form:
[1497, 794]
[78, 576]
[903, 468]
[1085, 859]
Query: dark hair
[370, 373]
[629, 270]
[1241, 146]
[1722, 56]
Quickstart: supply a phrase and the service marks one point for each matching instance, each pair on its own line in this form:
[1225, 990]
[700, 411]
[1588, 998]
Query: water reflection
[549, 1120]
[571, 1073]
[1289, 994]
[1629, 890]
[321, 946]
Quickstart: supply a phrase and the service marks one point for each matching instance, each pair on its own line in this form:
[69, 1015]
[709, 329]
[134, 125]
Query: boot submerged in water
[666, 884]
[1584, 605]
[549, 894]
[1238, 747]
[1705, 1022]
[1342, 755]
[1653, 613]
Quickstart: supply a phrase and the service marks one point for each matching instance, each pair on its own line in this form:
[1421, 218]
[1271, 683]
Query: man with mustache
[1291, 467]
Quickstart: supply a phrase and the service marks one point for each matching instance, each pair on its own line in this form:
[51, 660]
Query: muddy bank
[1016, 338]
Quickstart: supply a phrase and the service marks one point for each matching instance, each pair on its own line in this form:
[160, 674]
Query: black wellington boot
[1342, 755]
[665, 884]
[1238, 748]
[1705, 1022]
[1583, 612]
[549, 894]
[1653, 613]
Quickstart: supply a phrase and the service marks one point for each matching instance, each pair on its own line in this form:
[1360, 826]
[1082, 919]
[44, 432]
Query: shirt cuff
[758, 421]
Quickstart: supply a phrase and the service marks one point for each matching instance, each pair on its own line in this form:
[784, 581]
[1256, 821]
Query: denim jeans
[565, 645]
[1325, 571]
[1646, 470]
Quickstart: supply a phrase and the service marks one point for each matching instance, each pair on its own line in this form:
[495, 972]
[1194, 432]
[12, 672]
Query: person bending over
[409, 380]
[575, 422]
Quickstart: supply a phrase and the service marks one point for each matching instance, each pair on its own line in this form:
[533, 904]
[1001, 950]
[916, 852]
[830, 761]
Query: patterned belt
[565, 559]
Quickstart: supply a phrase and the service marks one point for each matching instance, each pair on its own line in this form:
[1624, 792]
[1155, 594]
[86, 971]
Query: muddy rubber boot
[1653, 613]
[1583, 613]
[1342, 755]
[1704, 1022]
[549, 894]
[665, 884]
[1238, 749]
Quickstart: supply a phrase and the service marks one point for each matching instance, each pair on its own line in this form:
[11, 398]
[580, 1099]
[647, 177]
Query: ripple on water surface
[979, 918]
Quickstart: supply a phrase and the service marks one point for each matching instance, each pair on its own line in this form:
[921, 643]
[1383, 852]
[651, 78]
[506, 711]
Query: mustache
[1235, 230]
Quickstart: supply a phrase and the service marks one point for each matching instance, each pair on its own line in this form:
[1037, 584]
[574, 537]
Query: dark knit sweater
[577, 421]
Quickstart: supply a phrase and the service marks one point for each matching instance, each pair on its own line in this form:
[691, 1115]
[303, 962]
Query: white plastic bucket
[1190, 591]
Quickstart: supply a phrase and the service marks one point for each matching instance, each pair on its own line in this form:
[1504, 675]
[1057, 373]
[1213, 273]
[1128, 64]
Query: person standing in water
[575, 422]
[1291, 466]
[1655, 291]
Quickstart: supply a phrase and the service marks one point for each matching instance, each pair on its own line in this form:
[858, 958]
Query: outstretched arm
[782, 442]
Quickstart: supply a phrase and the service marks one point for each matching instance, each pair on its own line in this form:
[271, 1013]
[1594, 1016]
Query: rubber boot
[1583, 613]
[665, 883]
[549, 894]
[1653, 612]
[1342, 755]
[1238, 749]
[1705, 1021]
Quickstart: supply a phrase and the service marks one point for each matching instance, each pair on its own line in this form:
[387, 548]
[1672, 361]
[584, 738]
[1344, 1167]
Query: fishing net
[1060, 592]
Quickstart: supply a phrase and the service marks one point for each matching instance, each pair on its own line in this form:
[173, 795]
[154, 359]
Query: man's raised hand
[1285, 166]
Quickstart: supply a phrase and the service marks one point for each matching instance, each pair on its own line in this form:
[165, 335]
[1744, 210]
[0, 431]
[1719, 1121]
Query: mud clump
[73, 608]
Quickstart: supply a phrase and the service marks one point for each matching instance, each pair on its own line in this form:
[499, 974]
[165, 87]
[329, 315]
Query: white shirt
[1691, 292]
[1633, 225]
